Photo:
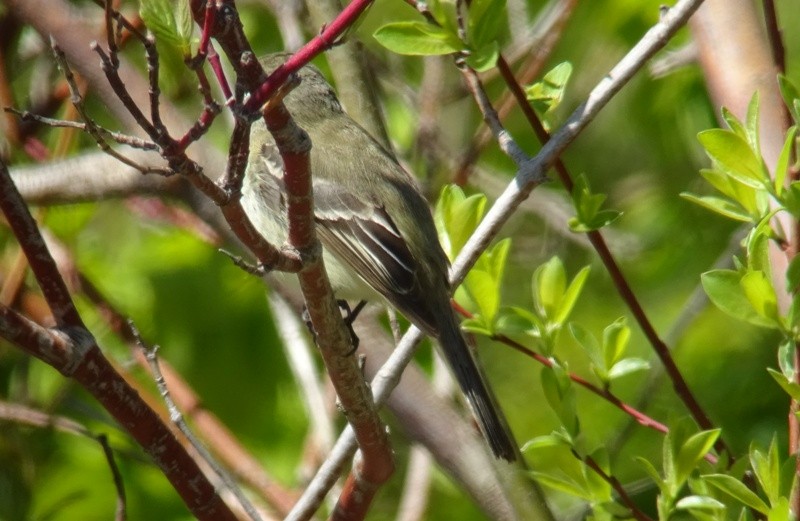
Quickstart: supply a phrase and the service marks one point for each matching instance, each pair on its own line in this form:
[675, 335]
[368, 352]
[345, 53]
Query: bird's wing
[364, 236]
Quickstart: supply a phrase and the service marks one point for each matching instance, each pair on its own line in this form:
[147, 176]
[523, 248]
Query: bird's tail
[472, 382]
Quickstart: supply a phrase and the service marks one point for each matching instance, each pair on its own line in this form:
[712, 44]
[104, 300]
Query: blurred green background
[212, 321]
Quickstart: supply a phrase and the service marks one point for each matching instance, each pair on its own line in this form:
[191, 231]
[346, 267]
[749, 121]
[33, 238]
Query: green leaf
[627, 366]
[725, 291]
[791, 388]
[544, 442]
[570, 296]
[733, 122]
[652, 472]
[718, 205]
[592, 348]
[549, 287]
[587, 207]
[761, 295]
[702, 503]
[418, 39]
[692, 451]
[562, 484]
[734, 154]
[485, 57]
[485, 20]
[787, 350]
[782, 166]
[767, 469]
[159, 17]
[615, 339]
[560, 395]
[753, 200]
[484, 281]
[737, 490]
[515, 320]
[790, 94]
[752, 122]
[547, 94]
[457, 216]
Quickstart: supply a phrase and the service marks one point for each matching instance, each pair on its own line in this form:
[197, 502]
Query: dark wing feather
[364, 236]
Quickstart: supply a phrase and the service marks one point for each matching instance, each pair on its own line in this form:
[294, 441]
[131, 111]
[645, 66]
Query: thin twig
[176, 417]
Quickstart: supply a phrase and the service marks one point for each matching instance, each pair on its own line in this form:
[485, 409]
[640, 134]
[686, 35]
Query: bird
[376, 229]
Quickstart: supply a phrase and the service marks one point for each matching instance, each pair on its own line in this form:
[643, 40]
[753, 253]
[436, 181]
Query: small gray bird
[375, 227]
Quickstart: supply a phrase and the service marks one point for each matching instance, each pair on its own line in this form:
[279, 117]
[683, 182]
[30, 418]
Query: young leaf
[767, 469]
[752, 122]
[737, 490]
[456, 217]
[782, 166]
[724, 290]
[615, 339]
[547, 94]
[627, 366]
[790, 95]
[719, 205]
[571, 296]
[418, 38]
[159, 17]
[701, 503]
[485, 19]
[761, 295]
[791, 388]
[692, 451]
[485, 57]
[734, 154]
[549, 286]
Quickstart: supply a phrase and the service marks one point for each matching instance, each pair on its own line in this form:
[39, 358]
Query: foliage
[537, 287]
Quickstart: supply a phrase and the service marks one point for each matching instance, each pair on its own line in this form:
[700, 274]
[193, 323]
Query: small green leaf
[782, 166]
[761, 295]
[692, 451]
[515, 320]
[724, 290]
[752, 122]
[570, 296]
[750, 198]
[627, 366]
[560, 395]
[615, 339]
[485, 57]
[485, 20]
[718, 205]
[457, 216]
[734, 154]
[159, 17]
[767, 469]
[587, 207]
[562, 484]
[702, 503]
[733, 122]
[547, 94]
[549, 287]
[543, 442]
[418, 39]
[791, 388]
[737, 490]
[790, 94]
[652, 472]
